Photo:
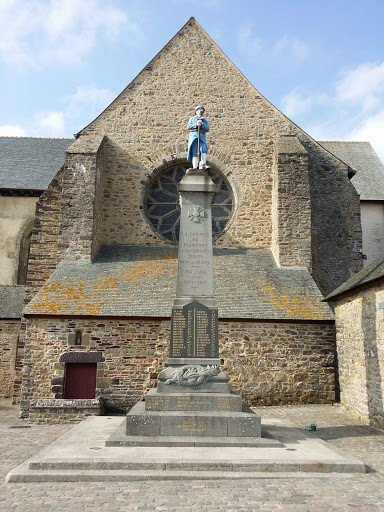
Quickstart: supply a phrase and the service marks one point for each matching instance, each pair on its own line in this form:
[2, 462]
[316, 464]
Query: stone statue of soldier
[198, 120]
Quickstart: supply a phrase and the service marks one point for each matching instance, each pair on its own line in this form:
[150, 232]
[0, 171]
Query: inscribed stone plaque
[194, 332]
[195, 257]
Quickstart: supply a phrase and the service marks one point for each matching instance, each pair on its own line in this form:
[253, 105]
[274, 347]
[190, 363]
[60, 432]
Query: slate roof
[28, 163]
[369, 274]
[369, 178]
[141, 281]
[11, 301]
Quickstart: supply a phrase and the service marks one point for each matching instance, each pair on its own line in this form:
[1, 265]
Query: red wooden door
[80, 380]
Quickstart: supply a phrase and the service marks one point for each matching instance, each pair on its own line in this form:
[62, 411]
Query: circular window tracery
[162, 208]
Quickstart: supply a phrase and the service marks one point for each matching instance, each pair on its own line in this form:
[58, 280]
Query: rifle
[198, 145]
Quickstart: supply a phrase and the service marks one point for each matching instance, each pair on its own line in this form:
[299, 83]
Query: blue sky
[321, 63]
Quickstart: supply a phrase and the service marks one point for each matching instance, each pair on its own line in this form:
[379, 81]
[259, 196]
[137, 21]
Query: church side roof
[29, 163]
[369, 274]
[369, 178]
[11, 301]
[141, 281]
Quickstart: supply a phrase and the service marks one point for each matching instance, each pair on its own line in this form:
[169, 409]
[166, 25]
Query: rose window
[162, 208]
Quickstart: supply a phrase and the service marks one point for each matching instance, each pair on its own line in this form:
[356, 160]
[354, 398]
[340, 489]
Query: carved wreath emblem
[196, 214]
[192, 375]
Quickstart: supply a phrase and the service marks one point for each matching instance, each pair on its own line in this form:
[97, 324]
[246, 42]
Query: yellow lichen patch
[81, 296]
[295, 306]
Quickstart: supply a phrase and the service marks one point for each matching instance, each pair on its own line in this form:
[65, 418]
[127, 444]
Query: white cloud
[356, 84]
[247, 42]
[91, 96]
[50, 123]
[38, 32]
[362, 90]
[17, 22]
[371, 129]
[364, 85]
[325, 131]
[292, 48]
[351, 109]
[85, 104]
[78, 110]
[295, 103]
[12, 130]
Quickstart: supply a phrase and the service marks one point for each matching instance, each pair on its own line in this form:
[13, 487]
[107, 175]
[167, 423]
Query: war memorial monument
[106, 279]
[193, 404]
[192, 410]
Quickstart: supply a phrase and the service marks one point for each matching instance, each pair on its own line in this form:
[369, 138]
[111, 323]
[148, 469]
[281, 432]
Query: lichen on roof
[141, 281]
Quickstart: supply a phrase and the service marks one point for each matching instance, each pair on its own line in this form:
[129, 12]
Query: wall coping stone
[81, 357]
[53, 403]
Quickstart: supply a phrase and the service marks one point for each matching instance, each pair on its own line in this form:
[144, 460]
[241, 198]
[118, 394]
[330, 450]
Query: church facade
[103, 255]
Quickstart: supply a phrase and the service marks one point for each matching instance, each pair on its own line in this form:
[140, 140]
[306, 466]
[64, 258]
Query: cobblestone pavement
[359, 493]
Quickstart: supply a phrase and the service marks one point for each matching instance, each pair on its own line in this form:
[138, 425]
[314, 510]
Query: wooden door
[80, 380]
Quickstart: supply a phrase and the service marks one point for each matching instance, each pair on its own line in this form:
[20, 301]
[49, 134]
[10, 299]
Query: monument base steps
[140, 476]
[81, 455]
[121, 438]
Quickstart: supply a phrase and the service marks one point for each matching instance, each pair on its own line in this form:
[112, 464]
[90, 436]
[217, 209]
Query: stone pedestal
[193, 399]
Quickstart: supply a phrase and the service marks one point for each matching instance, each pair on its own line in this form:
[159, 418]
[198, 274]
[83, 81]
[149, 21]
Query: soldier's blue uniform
[192, 137]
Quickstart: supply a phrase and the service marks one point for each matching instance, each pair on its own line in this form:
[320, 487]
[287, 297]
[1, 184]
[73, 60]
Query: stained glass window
[163, 210]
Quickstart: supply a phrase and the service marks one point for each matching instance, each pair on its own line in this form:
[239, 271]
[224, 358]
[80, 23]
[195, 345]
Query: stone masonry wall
[274, 363]
[335, 219]
[360, 349]
[269, 363]
[126, 346]
[42, 257]
[98, 225]
[291, 233]
[80, 217]
[146, 126]
[9, 332]
[63, 411]
[43, 252]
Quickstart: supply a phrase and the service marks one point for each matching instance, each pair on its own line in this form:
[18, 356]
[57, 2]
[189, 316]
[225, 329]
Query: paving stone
[335, 492]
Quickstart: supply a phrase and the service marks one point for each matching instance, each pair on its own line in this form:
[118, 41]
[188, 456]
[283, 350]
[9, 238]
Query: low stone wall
[360, 348]
[63, 411]
[9, 331]
[268, 362]
[123, 348]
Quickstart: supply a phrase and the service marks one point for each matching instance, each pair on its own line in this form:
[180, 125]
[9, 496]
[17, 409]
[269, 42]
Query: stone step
[134, 476]
[166, 466]
[141, 422]
[219, 402]
[122, 439]
[82, 455]
[266, 470]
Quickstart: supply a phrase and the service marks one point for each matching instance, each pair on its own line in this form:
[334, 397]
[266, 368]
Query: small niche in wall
[78, 338]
